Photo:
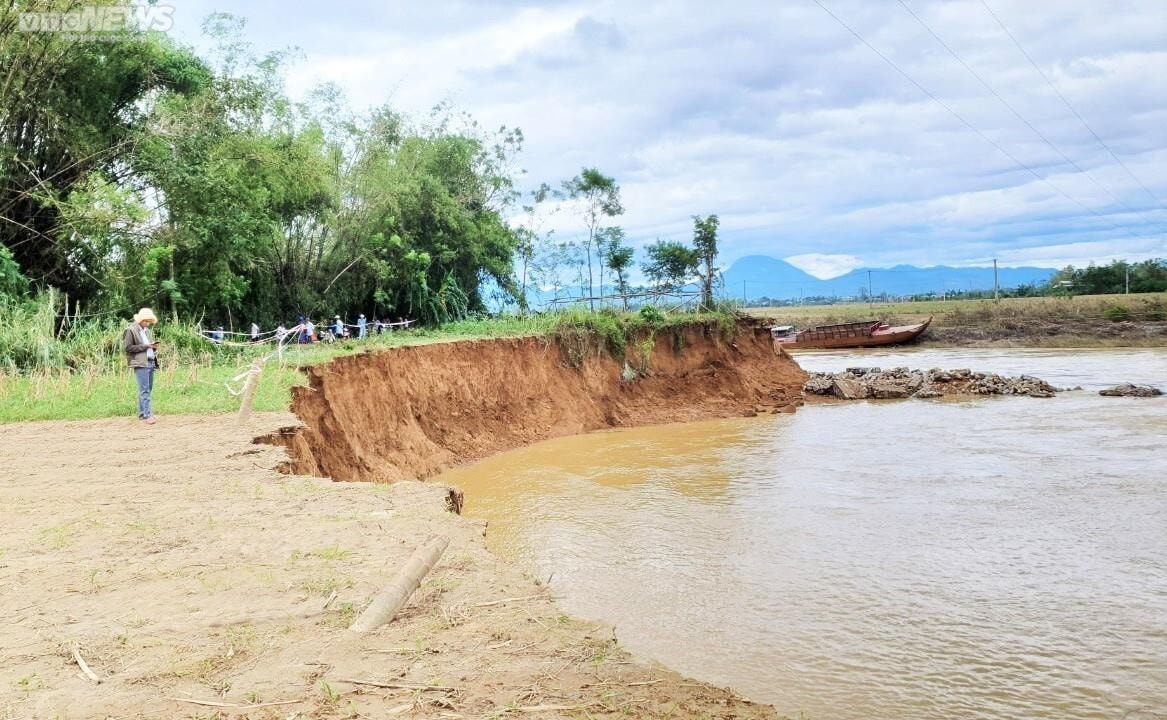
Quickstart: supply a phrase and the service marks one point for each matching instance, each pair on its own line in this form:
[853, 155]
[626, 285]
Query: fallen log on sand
[408, 579]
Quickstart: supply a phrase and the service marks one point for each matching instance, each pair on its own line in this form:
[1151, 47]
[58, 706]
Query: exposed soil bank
[412, 412]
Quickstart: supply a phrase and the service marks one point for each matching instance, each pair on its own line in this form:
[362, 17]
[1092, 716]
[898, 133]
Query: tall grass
[39, 335]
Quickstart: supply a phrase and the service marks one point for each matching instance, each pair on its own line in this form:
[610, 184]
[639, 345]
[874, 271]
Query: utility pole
[1127, 265]
[996, 296]
[870, 297]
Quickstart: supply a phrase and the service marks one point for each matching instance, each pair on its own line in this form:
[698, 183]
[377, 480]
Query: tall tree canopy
[596, 197]
[705, 246]
[70, 113]
[133, 172]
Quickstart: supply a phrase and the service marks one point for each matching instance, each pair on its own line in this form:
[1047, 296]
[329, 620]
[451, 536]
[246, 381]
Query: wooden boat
[866, 333]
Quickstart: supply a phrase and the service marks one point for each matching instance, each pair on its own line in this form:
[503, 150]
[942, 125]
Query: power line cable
[1070, 107]
[1010, 107]
[969, 125]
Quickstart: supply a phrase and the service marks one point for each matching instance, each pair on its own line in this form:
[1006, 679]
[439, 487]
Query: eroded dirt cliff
[412, 412]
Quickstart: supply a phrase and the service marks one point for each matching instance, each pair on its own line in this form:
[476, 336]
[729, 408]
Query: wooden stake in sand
[83, 665]
[408, 579]
[249, 388]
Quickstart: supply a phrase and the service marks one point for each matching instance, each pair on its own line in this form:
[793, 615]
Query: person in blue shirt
[337, 328]
[361, 326]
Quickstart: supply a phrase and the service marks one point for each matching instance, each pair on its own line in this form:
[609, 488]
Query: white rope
[272, 335]
[231, 343]
[228, 332]
[253, 369]
[403, 323]
[290, 336]
[256, 366]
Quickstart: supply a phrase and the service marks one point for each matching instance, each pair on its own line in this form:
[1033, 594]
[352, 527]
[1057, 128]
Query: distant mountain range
[757, 276]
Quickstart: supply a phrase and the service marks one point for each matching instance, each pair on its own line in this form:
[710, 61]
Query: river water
[983, 558]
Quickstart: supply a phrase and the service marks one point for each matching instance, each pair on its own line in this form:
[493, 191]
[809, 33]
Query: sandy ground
[184, 568]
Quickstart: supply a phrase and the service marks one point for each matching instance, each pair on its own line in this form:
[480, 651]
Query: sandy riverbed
[183, 568]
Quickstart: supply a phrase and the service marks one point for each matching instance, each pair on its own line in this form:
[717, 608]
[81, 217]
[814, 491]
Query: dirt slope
[415, 411]
[197, 582]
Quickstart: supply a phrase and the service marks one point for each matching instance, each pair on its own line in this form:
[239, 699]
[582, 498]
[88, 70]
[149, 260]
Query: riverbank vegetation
[83, 375]
[195, 184]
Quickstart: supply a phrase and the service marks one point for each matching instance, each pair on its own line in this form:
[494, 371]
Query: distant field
[1068, 308]
[1116, 320]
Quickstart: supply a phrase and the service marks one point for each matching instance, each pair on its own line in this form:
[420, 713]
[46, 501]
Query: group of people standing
[307, 331]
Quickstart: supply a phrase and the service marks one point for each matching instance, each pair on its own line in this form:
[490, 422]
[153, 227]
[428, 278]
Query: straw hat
[145, 314]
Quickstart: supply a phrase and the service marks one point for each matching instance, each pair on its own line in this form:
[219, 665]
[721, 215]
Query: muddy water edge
[979, 558]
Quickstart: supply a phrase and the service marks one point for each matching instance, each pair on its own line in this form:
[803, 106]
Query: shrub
[652, 315]
[1117, 313]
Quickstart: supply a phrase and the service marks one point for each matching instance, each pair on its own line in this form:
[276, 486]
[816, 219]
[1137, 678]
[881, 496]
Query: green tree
[132, 171]
[596, 196]
[670, 264]
[13, 285]
[705, 245]
[246, 182]
[618, 258]
[528, 239]
[1112, 279]
[606, 238]
[70, 113]
[1149, 276]
[436, 190]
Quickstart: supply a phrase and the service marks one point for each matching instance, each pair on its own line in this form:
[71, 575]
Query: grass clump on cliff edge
[582, 333]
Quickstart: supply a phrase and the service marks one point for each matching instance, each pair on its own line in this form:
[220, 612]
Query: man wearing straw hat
[141, 351]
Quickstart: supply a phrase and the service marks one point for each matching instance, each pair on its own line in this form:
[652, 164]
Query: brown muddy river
[984, 558]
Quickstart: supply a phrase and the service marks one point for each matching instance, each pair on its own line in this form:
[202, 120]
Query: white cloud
[824, 267]
[773, 116]
[1083, 253]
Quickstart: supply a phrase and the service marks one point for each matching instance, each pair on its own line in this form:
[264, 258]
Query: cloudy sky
[775, 116]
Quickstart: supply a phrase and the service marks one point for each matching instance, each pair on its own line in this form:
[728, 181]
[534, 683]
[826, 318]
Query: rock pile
[859, 383]
[1131, 390]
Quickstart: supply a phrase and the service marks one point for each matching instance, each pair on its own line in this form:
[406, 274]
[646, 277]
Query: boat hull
[875, 337]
